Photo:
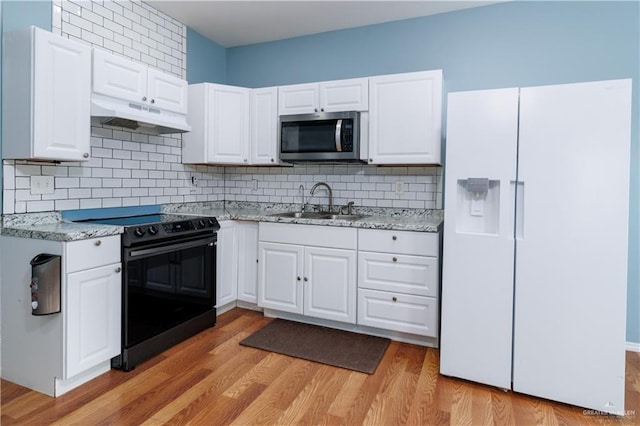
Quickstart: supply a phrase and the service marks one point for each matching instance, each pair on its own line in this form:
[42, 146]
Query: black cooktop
[141, 220]
[158, 227]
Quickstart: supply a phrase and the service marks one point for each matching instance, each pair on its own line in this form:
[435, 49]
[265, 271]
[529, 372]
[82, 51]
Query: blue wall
[20, 14]
[504, 45]
[206, 60]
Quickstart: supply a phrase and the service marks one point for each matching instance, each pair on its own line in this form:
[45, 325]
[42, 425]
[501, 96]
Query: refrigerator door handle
[519, 201]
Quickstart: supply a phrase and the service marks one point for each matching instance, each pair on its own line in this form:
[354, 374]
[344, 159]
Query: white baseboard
[633, 347]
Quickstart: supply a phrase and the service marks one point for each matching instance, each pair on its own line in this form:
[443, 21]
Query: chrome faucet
[301, 188]
[314, 187]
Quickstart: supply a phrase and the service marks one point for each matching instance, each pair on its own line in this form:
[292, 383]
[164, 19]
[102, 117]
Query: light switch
[42, 185]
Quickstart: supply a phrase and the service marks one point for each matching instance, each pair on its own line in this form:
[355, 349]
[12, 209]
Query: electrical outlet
[399, 187]
[42, 185]
[194, 180]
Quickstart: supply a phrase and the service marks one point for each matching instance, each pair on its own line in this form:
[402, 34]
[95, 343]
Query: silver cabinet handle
[306, 279]
[118, 269]
[298, 278]
[85, 155]
[395, 259]
[97, 243]
[395, 299]
[394, 238]
[144, 98]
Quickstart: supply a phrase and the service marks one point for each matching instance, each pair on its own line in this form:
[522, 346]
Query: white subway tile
[79, 193]
[40, 206]
[91, 203]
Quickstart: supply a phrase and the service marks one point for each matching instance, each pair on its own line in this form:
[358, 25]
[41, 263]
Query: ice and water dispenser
[478, 206]
[45, 284]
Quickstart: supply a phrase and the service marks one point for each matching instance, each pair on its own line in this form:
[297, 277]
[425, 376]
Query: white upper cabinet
[46, 98]
[122, 78]
[326, 96]
[231, 125]
[219, 116]
[264, 126]
[405, 118]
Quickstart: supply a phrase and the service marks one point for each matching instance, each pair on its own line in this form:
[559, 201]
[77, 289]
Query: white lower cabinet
[55, 353]
[308, 270]
[247, 243]
[236, 264]
[226, 265]
[93, 317]
[399, 312]
[399, 280]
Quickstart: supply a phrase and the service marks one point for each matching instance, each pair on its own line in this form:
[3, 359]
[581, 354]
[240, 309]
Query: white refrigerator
[535, 240]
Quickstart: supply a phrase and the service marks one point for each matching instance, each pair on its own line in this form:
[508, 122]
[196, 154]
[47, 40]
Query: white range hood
[121, 113]
[132, 95]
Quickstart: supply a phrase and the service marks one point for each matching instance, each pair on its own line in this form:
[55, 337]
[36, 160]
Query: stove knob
[153, 230]
[211, 222]
[139, 232]
[201, 223]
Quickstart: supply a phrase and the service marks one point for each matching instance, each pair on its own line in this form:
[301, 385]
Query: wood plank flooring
[211, 380]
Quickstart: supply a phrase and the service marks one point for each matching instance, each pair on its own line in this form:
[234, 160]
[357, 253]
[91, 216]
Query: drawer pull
[298, 278]
[395, 259]
[394, 238]
[118, 269]
[306, 279]
[395, 299]
[97, 243]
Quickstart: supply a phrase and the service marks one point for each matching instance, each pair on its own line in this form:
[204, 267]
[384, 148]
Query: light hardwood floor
[211, 380]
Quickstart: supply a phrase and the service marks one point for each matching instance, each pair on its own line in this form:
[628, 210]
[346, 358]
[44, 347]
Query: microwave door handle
[338, 136]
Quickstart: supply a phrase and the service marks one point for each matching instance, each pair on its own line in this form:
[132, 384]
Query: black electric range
[168, 282]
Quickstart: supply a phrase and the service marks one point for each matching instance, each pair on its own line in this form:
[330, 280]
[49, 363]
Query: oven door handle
[171, 248]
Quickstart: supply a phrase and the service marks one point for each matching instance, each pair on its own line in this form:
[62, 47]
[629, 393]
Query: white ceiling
[242, 22]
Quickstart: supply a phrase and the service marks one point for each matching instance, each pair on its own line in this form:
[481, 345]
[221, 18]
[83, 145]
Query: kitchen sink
[321, 216]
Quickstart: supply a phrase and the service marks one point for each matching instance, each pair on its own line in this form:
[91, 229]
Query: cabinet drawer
[400, 242]
[309, 235]
[416, 275]
[86, 254]
[398, 312]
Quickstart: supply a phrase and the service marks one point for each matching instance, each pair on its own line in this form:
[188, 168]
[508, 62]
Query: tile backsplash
[368, 186]
[131, 168]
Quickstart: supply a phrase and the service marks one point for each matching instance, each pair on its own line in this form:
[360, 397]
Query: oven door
[166, 284]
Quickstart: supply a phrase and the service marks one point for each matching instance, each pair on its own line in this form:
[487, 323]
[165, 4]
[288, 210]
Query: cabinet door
[298, 99]
[264, 126]
[61, 98]
[247, 237]
[229, 124]
[93, 320]
[166, 91]
[345, 95]
[280, 277]
[330, 284]
[119, 77]
[405, 118]
[226, 265]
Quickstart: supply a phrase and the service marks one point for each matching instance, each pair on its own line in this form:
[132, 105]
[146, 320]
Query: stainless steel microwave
[320, 137]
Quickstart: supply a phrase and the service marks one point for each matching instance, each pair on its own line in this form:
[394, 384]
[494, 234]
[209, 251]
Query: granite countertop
[51, 226]
[419, 220]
